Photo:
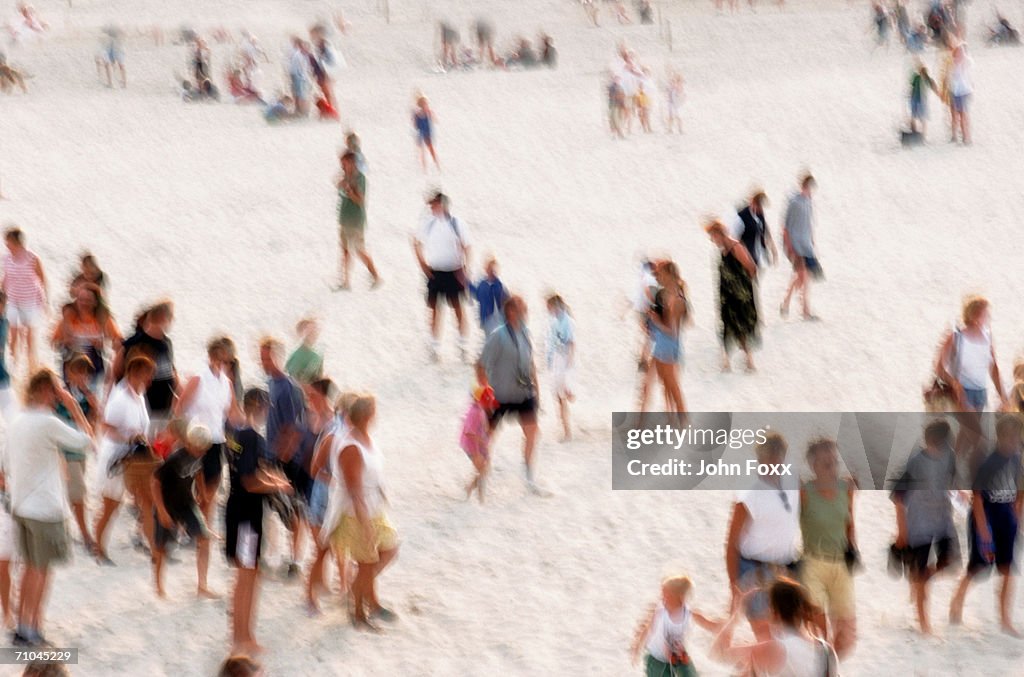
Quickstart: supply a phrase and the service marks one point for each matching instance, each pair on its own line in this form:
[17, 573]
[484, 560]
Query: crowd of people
[521, 54]
[296, 445]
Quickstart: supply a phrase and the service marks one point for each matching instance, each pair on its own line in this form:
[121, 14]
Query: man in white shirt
[764, 534]
[38, 492]
[442, 249]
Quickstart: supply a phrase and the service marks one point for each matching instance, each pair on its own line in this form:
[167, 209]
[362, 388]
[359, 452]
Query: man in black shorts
[442, 249]
[507, 365]
[175, 506]
[243, 517]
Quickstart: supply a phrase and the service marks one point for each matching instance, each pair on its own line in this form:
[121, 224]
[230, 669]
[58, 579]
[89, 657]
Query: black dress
[737, 304]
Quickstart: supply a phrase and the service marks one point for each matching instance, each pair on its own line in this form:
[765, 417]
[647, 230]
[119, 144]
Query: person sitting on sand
[10, 77]
[204, 91]
[281, 110]
[241, 91]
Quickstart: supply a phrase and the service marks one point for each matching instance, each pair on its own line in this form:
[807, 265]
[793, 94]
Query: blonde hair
[973, 306]
[344, 402]
[679, 586]
[714, 227]
[363, 407]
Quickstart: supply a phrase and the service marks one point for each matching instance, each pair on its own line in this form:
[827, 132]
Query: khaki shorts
[353, 238]
[349, 537]
[41, 543]
[76, 481]
[830, 585]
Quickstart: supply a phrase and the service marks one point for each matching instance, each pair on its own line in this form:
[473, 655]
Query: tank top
[21, 281]
[667, 633]
[373, 478]
[805, 657]
[210, 403]
[973, 360]
[823, 521]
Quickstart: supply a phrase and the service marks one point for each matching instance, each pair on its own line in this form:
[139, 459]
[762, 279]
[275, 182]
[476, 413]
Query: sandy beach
[234, 219]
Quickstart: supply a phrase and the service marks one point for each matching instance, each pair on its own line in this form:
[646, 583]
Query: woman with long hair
[356, 520]
[793, 649]
[664, 320]
[737, 307]
[86, 327]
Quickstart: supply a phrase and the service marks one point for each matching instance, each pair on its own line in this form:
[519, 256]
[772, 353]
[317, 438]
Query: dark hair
[157, 310]
[937, 432]
[40, 379]
[45, 670]
[790, 602]
[324, 386]
[807, 180]
[348, 155]
[255, 399]
[14, 234]
[79, 361]
[239, 666]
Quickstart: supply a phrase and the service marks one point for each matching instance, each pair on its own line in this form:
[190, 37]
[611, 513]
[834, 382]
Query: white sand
[234, 220]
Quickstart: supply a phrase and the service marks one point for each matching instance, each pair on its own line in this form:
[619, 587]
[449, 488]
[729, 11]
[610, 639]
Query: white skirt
[562, 375]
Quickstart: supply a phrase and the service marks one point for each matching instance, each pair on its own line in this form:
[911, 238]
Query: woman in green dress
[736, 301]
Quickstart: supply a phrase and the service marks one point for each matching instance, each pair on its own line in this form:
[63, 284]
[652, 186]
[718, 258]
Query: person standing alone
[352, 218]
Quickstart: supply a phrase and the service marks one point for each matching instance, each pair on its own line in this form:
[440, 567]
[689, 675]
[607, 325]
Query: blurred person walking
[24, 284]
[442, 249]
[798, 240]
[737, 306]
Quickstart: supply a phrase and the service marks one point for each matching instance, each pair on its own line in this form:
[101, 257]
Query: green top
[823, 522]
[350, 214]
[305, 365]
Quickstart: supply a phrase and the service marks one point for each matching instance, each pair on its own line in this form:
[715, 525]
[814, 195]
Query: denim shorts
[960, 102]
[976, 399]
[318, 503]
[755, 574]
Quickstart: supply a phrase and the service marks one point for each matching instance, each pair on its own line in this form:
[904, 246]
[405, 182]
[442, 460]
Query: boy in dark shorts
[175, 506]
[924, 514]
[994, 519]
[244, 514]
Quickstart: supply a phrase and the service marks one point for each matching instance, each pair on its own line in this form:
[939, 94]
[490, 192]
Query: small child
[490, 295]
[918, 107]
[674, 103]
[175, 505]
[561, 358]
[475, 438]
[642, 104]
[663, 632]
[306, 363]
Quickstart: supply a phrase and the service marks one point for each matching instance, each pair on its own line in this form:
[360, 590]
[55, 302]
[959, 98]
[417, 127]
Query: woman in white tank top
[967, 359]
[356, 521]
[792, 651]
[209, 399]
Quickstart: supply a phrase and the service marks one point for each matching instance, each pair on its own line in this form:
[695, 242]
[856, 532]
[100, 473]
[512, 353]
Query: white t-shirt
[772, 533]
[210, 403]
[35, 476]
[442, 240]
[974, 359]
[127, 413]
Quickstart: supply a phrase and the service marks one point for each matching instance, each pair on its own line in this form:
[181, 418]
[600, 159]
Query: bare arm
[901, 523]
[352, 473]
[740, 515]
[642, 631]
[323, 449]
[743, 256]
[187, 394]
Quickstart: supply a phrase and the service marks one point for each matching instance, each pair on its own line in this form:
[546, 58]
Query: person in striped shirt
[25, 285]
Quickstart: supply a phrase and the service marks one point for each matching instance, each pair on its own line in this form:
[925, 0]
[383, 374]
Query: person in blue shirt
[490, 295]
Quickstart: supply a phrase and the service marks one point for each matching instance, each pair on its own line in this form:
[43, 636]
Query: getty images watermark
[716, 450]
